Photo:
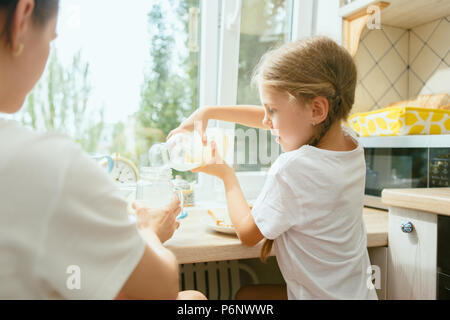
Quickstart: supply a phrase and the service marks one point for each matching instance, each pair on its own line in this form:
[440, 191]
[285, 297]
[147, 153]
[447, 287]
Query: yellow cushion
[401, 120]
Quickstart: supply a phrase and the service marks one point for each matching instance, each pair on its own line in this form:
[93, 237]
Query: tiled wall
[396, 64]
[429, 58]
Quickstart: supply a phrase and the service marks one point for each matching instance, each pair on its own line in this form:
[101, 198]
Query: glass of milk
[155, 188]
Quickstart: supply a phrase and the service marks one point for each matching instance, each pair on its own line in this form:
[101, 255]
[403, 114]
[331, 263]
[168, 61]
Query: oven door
[394, 168]
[439, 172]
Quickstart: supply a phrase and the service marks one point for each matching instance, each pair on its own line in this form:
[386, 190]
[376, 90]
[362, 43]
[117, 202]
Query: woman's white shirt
[64, 230]
[312, 204]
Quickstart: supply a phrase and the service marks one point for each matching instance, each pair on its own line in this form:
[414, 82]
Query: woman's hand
[161, 220]
[215, 166]
[197, 121]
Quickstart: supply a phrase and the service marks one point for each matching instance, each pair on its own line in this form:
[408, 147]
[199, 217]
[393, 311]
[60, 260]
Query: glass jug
[185, 151]
[155, 188]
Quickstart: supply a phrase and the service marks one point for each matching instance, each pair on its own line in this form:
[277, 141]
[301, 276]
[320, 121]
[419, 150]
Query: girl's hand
[197, 121]
[215, 166]
[161, 220]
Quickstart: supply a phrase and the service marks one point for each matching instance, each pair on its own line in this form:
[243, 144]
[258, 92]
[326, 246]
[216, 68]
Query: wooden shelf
[354, 23]
[404, 14]
[407, 14]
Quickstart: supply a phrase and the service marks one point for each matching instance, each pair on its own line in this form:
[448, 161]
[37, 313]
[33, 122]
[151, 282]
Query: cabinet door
[412, 256]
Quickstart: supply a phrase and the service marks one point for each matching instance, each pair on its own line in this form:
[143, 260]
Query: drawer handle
[407, 227]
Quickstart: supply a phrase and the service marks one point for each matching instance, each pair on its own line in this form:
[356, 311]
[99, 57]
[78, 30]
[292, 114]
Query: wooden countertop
[433, 200]
[196, 242]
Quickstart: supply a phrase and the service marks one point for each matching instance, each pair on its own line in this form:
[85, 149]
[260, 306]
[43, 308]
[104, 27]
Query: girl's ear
[319, 109]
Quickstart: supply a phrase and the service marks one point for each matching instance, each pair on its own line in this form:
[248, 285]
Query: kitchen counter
[195, 241]
[433, 200]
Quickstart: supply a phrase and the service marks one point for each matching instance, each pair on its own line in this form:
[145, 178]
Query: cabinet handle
[407, 227]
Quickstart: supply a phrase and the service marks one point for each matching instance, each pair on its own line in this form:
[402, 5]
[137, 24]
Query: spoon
[219, 222]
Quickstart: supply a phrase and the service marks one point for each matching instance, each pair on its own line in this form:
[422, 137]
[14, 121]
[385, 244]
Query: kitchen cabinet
[411, 255]
[412, 252]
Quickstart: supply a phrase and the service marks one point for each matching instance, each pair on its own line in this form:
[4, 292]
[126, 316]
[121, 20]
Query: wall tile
[425, 63]
[401, 85]
[429, 59]
[363, 100]
[440, 39]
[402, 47]
[390, 96]
[415, 85]
[396, 64]
[415, 46]
[377, 43]
[392, 65]
[376, 83]
[424, 31]
[364, 61]
[394, 34]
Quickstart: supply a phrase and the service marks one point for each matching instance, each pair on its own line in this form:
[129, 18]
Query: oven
[404, 167]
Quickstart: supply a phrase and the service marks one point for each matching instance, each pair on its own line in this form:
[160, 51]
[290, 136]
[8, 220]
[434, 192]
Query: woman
[63, 231]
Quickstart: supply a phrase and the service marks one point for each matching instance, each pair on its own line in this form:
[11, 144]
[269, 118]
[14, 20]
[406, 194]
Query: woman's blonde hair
[309, 68]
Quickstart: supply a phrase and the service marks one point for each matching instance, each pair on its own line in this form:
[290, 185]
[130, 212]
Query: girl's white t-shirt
[312, 206]
[64, 230]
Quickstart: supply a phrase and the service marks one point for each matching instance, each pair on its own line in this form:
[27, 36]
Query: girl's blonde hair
[309, 68]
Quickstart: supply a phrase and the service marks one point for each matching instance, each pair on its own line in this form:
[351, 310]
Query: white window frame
[219, 67]
[327, 20]
[208, 73]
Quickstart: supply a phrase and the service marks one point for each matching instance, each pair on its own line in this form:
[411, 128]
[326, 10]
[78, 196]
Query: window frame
[219, 65]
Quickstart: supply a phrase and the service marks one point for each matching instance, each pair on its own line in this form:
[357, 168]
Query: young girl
[311, 205]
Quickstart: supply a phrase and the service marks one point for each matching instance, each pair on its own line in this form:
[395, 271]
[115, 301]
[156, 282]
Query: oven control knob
[407, 227]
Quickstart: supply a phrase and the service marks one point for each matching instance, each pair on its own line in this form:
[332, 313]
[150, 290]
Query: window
[264, 25]
[120, 75]
[247, 29]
